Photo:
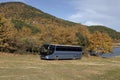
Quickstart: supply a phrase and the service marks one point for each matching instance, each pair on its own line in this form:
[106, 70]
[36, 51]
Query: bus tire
[56, 58]
[74, 58]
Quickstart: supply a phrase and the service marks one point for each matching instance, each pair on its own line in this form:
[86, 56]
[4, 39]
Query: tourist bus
[56, 51]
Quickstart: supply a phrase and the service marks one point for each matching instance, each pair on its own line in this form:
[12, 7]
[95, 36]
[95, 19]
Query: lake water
[116, 52]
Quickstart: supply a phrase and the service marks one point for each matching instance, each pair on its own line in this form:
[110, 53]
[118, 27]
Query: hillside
[31, 28]
[114, 34]
[31, 15]
[24, 28]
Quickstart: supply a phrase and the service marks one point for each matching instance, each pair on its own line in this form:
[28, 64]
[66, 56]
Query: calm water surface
[116, 52]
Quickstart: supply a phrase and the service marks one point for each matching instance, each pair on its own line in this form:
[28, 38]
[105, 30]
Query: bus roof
[63, 45]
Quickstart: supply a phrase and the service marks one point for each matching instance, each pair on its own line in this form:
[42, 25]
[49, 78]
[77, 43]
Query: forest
[23, 29]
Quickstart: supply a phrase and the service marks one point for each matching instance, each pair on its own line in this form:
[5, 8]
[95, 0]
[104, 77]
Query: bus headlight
[47, 57]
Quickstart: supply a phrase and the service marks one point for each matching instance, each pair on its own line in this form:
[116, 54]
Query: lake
[116, 52]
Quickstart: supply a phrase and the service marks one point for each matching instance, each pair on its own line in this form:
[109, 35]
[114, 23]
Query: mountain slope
[32, 27]
[114, 34]
[21, 11]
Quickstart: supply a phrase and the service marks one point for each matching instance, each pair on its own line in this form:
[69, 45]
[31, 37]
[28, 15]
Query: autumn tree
[47, 34]
[100, 42]
[7, 33]
[65, 36]
[59, 35]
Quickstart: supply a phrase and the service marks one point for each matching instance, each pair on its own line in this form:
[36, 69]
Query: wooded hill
[24, 28]
[114, 34]
[30, 15]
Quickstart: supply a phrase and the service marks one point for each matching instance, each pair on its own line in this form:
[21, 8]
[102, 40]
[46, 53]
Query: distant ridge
[113, 33]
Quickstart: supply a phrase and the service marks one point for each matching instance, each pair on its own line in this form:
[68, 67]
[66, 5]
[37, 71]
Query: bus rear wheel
[74, 58]
[56, 58]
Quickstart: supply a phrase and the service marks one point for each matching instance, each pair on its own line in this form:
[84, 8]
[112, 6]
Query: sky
[87, 12]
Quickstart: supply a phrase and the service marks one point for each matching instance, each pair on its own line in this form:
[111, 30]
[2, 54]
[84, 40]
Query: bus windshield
[46, 50]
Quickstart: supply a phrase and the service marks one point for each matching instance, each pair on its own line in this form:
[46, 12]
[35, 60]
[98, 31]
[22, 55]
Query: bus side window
[80, 49]
[59, 48]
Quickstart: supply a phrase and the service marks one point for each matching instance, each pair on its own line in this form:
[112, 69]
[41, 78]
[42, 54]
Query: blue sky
[87, 12]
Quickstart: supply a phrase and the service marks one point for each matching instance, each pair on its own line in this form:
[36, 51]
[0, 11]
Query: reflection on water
[116, 52]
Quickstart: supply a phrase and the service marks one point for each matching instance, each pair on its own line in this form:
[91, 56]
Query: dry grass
[30, 67]
[8, 54]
